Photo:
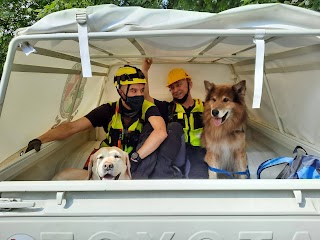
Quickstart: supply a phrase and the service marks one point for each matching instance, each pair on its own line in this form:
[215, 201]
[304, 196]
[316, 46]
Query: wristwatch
[135, 157]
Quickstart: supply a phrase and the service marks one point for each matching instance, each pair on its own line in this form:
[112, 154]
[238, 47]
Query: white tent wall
[293, 84]
[35, 101]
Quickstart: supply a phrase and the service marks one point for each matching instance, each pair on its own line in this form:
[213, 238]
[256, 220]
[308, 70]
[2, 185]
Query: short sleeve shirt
[163, 107]
[102, 115]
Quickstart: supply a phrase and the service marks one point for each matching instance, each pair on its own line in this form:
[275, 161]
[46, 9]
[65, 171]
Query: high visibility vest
[125, 138]
[191, 122]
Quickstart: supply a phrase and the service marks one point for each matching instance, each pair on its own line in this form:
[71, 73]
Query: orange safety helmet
[177, 74]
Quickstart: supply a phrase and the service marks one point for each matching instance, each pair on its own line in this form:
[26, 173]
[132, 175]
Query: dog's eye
[226, 99]
[116, 156]
[100, 157]
[213, 99]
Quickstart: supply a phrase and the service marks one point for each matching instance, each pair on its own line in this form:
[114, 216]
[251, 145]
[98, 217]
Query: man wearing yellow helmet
[186, 111]
[132, 124]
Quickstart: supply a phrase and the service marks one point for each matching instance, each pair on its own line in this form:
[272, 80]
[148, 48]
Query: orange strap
[88, 160]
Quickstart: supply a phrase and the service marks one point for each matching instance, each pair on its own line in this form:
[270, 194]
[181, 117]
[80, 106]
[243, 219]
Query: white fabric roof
[108, 18]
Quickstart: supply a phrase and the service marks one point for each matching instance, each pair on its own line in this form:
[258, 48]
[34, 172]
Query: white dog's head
[109, 163]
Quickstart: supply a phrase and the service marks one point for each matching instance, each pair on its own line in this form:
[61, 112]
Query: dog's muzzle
[219, 120]
[108, 170]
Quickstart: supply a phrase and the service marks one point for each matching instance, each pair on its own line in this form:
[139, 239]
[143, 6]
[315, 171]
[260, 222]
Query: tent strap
[258, 73]
[81, 17]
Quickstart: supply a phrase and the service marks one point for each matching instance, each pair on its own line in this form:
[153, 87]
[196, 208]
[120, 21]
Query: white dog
[108, 163]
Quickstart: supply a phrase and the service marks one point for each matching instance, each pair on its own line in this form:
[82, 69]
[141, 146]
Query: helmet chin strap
[119, 92]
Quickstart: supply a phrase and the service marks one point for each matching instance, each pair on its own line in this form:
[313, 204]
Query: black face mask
[182, 100]
[135, 103]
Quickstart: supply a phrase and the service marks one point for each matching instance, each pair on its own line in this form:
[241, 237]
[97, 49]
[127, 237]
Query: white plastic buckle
[81, 16]
[27, 48]
[298, 196]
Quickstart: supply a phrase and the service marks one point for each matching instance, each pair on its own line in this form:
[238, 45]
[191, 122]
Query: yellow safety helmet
[177, 74]
[127, 75]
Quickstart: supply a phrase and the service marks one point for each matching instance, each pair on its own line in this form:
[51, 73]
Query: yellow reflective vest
[125, 138]
[191, 122]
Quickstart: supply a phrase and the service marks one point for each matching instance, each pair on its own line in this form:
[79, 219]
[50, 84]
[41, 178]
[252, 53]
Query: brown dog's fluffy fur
[223, 134]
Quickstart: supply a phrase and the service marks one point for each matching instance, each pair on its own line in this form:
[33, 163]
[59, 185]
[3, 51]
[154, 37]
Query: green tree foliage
[203, 5]
[309, 4]
[57, 5]
[218, 5]
[15, 14]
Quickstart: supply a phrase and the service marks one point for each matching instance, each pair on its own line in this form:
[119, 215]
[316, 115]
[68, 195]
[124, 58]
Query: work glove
[34, 144]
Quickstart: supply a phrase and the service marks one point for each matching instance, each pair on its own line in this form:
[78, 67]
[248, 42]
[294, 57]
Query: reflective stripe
[191, 133]
[116, 124]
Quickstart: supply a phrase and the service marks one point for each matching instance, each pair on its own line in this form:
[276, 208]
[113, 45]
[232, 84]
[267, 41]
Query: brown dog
[223, 134]
[108, 163]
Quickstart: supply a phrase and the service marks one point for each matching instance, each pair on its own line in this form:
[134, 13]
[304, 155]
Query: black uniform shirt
[102, 115]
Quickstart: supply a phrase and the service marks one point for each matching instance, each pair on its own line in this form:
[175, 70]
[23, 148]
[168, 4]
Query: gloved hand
[34, 144]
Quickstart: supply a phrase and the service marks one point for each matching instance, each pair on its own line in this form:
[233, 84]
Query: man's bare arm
[66, 130]
[147, 62]
[157, 136]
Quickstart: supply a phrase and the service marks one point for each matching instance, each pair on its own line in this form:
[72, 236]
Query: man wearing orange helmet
[186, 111]
[132, 124]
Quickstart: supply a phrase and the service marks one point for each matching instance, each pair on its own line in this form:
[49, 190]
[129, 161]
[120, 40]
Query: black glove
[34, 144]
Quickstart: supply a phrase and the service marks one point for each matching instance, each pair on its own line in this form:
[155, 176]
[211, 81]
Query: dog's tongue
[217, 121]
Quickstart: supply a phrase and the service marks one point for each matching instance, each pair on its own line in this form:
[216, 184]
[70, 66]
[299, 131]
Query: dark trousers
[196, 167]
[161, 163]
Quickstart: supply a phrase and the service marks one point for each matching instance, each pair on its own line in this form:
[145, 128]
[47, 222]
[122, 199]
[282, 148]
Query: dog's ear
[208, 85]
[128, 171]
[92, 157]
[240, 88]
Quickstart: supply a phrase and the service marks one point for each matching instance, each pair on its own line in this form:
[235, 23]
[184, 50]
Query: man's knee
[171, 146]
[175, 128]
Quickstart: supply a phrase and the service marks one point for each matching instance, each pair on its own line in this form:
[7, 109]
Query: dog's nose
[108, 166]
[215, 112]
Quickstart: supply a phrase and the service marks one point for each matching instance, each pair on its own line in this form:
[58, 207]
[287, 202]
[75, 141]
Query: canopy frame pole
[7, 71]
[172, 33]
[210, 46]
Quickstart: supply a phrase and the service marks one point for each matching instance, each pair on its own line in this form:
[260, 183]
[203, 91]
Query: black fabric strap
[128, 77]
[171, 109]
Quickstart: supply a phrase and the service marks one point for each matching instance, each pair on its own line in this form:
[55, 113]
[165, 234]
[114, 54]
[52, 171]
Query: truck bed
[73, 153]
[157, 209]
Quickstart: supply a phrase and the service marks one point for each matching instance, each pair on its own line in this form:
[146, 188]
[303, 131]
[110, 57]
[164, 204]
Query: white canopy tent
[275, 47]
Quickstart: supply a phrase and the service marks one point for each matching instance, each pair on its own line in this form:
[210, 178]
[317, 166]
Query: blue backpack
[301, 166]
